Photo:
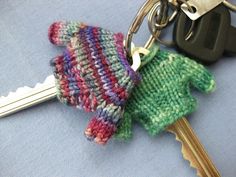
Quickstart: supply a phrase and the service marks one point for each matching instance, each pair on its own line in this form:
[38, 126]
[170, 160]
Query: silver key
[25, 97]
[201, 7]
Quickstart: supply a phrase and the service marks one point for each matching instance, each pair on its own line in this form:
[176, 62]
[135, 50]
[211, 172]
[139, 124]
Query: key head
[207, 44]
[201, 7]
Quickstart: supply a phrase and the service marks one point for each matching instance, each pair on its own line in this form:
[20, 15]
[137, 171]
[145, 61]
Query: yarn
[93, 74]
[164, 96]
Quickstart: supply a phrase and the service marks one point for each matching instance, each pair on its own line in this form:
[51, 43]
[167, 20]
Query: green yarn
[163, 96]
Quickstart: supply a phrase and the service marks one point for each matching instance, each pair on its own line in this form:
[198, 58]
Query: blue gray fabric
[48, 141]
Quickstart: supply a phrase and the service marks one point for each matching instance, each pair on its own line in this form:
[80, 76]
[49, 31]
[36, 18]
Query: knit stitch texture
[164, 96]
[93, 73]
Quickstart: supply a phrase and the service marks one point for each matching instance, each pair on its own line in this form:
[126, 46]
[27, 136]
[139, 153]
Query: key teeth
[186, 157]
[25, 89]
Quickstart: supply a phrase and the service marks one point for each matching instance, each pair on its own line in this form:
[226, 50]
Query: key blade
[192, 149]
[25, 97]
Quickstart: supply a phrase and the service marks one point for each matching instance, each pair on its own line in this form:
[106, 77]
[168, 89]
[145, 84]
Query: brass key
[192, 149]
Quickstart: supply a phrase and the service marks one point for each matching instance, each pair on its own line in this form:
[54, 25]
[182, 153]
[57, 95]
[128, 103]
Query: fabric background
[48, 141]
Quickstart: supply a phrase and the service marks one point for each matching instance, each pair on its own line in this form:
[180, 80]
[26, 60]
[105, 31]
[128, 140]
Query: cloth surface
[48, 140]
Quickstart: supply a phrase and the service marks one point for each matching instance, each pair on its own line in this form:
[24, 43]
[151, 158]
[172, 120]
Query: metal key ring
[190, 32]
[175, 8]
[160, 14]
[231, 6]
[154, 15]
[137, 22]
[159, 26]
[169, 19]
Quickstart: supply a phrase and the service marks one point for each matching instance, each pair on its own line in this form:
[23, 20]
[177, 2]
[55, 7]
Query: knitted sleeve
[104, 124]
[60, 33]
[201, 78]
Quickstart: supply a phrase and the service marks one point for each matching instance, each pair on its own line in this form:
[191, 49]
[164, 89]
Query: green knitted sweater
[164, 96]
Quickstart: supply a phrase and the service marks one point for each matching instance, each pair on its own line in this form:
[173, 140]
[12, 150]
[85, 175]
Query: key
[25, 97]
[192, 149]
[93, 74]
[158, 103]
[212, 36]
[200, 7]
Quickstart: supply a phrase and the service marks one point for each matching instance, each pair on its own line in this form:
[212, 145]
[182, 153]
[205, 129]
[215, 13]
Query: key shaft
[25, 97]
[192, 149]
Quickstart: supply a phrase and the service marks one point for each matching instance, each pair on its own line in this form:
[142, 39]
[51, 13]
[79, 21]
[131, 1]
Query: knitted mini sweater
[93, 73]
[164, 96]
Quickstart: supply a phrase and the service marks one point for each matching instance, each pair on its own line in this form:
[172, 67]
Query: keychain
[94, 73]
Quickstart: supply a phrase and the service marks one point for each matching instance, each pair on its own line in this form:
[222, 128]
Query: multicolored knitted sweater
[164, 96]
[93, 73]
